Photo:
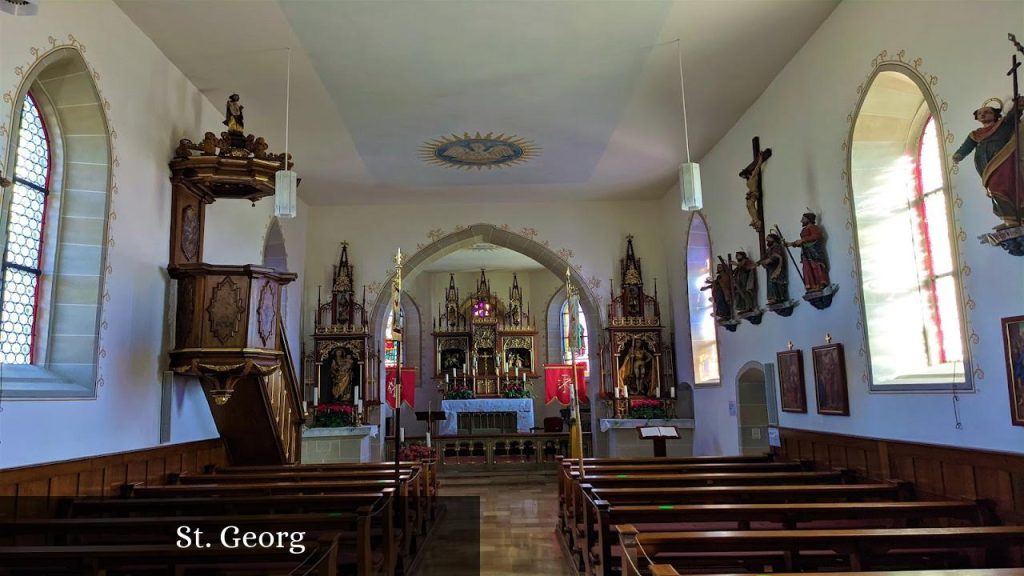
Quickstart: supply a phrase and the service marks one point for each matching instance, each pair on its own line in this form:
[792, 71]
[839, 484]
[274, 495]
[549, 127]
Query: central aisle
[517, 529]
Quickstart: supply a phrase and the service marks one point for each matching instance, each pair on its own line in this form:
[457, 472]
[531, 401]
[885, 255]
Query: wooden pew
[419, 490]
[406, 525]
[300, 510]
[863, 547]
[669, 570]
[320, 558]
[601, 518]
[571, 499]
[568, 465]
[575, 498]
[351, 531]
[429, 467]
[891, 491]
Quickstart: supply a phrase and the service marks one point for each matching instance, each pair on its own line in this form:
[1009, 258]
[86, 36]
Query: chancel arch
[904, 222]
[68, 215]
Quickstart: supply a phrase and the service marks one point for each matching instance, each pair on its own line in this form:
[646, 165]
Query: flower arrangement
[459, 393]
[516, 391]
[415, 451]
[646, 409]
[332, 416]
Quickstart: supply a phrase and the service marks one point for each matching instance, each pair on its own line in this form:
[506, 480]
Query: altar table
[523, 408]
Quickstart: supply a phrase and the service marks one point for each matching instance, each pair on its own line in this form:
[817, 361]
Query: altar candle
[445, 378]
[672, 392]
[428, 440]
[517, 371]
[359, 406]
[401, 434]
[355, 391]
[625, 392]
[616, 392]
[316, 396]
[453, 372]
[524, 378]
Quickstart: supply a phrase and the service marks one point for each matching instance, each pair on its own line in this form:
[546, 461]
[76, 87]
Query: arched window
[908, 262]
[22, 255]
[703, 339]
[53, 231]
[582, 355]
[390, 349]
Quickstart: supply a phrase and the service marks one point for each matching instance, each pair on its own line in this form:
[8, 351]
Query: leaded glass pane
[16, 318]
[25, 227]
[33, 150]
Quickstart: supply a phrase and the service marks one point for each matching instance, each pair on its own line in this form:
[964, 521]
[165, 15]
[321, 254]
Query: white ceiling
[594, 85]
[482, 255]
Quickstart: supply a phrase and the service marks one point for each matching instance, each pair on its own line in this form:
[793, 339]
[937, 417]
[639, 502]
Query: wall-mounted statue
[997, 158]
[744, 289]
[776, 265]
[814, 262]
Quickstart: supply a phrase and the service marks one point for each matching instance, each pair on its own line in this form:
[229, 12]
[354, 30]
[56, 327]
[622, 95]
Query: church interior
[309, 287]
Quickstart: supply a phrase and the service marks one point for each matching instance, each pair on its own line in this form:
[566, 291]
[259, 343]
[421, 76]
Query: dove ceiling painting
[468, 152]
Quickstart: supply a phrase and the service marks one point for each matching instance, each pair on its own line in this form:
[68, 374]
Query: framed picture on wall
[792, 393]
[830, 380]
[1013, 345]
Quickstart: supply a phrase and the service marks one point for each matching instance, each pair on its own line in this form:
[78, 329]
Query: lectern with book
[658, 434]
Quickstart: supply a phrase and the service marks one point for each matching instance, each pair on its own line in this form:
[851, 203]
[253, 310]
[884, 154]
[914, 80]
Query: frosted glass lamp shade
[285, 184]
[689, 186]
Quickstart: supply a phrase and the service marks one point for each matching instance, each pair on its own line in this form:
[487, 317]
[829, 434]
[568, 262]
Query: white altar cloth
[523, 407]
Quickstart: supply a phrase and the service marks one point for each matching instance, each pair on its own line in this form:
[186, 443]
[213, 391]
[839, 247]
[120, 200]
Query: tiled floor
[517, 530]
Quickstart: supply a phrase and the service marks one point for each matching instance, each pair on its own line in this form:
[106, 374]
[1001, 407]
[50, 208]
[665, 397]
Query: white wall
[152, 106]
[802, 116]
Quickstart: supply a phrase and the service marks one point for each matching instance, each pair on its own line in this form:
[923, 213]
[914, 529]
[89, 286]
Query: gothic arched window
[582, 354]
[908, 261]
[22, 256]
[703, 338]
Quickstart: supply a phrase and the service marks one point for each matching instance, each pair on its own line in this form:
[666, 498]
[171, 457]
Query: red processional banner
[558, 382]
[408, 386]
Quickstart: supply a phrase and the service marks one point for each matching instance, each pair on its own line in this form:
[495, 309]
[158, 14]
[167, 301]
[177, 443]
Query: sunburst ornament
[486, 151]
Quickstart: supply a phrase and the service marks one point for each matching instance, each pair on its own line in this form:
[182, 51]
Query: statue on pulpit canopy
[233, 114]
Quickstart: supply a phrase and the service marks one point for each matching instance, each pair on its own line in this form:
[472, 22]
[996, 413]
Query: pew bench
[319, 558]
[352, 533]
[983, 546]
[602, 517]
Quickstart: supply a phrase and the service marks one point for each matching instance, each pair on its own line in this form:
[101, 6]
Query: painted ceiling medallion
[487, 151]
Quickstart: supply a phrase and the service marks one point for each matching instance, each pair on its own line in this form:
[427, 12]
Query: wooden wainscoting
[934, 470]
[104, 475]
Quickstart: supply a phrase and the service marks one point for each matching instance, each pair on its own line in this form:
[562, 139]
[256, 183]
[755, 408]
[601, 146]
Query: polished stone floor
[516, 523]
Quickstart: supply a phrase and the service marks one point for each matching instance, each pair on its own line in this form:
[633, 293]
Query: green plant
[460, 393]
[645, 409]
[332, 416]
[516, 391]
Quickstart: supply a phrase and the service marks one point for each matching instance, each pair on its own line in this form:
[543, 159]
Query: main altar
[483, 345]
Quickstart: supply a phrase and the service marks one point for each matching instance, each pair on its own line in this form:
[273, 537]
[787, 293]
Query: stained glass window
[24, 238]
[390, 350]
[703, 337]
[582, 357]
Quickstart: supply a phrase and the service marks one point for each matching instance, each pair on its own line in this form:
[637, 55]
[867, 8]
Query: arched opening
[72, 228]
[909, 269]
[752, 409]
[418, 271]
[276, 257]
[703, 338]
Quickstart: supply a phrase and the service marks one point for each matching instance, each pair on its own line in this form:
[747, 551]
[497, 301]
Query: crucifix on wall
[755, 205]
